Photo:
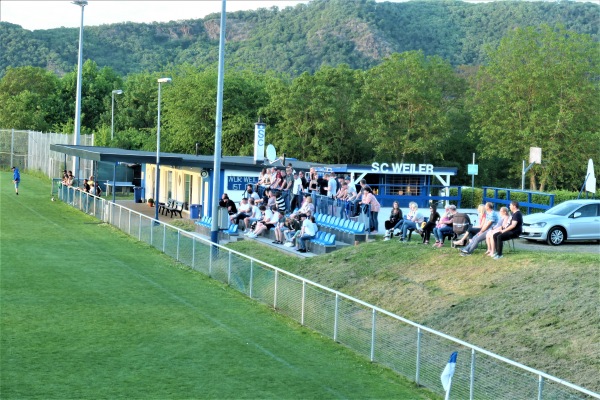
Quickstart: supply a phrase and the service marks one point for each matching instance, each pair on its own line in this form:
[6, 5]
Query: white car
[572, 220]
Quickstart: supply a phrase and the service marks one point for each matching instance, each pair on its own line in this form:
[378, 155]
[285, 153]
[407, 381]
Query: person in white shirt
[243, 212]
[296, 192]
[254, 215]
[309, 231]
[266, 224]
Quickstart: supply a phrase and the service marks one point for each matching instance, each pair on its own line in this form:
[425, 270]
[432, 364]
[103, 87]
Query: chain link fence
[415, 351]
[31, 150]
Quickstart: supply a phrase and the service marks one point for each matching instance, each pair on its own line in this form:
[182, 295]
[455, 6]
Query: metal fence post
[472, 380]
[129, 222]
[275, 290]
[418, 355]
[164, 237]
[120, 217]
[193, 252]
[140, 229]
[178, 242]
[335, 317]
[303, 303]
[373, 336]
[229, 269]
[251, 276]
[540, 387]
[210, 261]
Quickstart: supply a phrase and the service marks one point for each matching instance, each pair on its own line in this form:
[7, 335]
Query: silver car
[572, 220]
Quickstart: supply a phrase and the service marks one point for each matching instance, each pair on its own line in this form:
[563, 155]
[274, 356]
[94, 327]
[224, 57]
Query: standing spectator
[16, 179]
[86, 186]
[434, 217]
[249, 193]
[370, 199]
[296, 192]
[308, 232]
[513, 230]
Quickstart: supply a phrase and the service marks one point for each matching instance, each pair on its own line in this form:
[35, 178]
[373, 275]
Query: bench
[175, 207]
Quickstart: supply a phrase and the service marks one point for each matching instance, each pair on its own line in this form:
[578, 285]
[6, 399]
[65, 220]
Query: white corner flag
[448, 373]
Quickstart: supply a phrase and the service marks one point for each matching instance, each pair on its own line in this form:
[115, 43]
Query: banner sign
[473, 169]
[240, 182]
[400, 168]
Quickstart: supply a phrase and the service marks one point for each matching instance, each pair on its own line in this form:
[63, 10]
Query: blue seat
[344, 225]
[330, 241]
[360, 228]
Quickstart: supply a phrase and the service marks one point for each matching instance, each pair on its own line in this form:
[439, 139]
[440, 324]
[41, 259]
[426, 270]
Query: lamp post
[157, 179]
[77, 133]
[112, 114]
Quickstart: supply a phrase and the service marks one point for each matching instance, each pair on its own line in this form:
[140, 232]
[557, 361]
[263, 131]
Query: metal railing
[413, 350]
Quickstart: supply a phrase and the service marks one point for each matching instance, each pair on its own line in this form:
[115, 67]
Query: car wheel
[556, 236]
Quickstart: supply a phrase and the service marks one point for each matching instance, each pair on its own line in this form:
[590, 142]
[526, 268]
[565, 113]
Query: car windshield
[563, 209]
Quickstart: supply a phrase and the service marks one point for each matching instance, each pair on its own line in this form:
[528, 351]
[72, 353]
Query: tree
[540, 89]
[409, 98]
[27, 98]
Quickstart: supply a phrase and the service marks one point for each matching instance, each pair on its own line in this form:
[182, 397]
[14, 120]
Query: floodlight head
[81, 3]
[118, 91]
[164, 80]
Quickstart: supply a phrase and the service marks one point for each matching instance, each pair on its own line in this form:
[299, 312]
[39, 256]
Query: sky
[34, 15]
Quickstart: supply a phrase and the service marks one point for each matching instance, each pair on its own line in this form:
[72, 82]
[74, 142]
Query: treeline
[539, 88]
[293, 40]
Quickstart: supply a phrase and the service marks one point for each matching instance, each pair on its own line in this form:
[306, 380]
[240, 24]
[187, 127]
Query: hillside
[296, 39]
[537, 308]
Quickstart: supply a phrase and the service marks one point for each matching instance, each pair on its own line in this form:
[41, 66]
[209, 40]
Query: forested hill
[296, 39]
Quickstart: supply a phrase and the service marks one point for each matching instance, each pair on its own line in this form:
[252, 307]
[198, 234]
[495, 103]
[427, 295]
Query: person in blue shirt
[16, 178]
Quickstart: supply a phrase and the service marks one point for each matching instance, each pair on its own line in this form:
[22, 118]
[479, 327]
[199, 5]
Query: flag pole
[448, 391]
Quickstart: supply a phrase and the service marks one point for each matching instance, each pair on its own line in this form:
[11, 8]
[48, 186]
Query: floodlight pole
[157, 178]
[77, 133]
[112, 114]
[214, 229]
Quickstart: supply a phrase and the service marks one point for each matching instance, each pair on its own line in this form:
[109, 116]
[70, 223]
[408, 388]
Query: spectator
[282, 229]
[86, 186]
[280, 202]
[395, 217]
[253, 216]
[263, 215]
[413, 218]
[250, 193]
[296, 192]
[243, 212]
[369, 199]
[503, 222]
[513, 230]
[444, 226]
[434, 217]
[308, 232]
[266, 224]
[491, 219]
[228, 204]
[474, 230]
[293, 231]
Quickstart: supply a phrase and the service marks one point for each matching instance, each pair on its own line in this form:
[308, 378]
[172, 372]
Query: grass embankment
[540, 309]
[89, 313]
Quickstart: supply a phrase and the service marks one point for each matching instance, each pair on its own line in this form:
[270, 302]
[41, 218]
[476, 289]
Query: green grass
[87, 312]
[541, 309]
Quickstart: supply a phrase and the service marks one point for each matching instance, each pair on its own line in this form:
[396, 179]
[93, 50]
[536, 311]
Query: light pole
[112, 114]
[77, 133]
[157, 179]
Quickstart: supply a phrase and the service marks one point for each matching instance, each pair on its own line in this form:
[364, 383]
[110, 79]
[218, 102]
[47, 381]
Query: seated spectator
[395, 217]
[444, 226]
[513, 230]
[413, 219]
[289, 225]
[228, 204]
[266, 224]
[491, 219]
[253, 216]
[293, 232]
[473, 230]
[308, 232]
[243, 212]
[263, 215]
[307, 207]
[503, 222]
[250, 193]
[431, 223]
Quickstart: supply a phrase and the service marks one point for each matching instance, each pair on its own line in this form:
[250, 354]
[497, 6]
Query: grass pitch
[87, 312]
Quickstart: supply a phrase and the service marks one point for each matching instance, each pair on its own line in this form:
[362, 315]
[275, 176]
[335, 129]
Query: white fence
[31, 150]
[413, 350]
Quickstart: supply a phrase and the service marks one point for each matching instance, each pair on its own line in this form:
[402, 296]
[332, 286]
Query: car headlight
[538, 225]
